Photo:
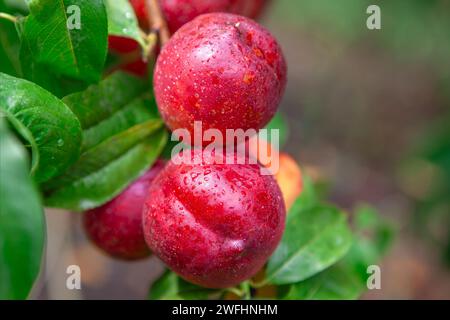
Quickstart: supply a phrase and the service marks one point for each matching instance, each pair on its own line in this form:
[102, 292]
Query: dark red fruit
[222, 69]
[214, 224]
[138, 68]
[116, 227]
[122, 45]
[130, 54]
[179, 12]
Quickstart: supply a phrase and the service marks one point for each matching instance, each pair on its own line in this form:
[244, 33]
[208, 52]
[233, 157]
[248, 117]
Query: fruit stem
[257, 285]
[157, 21]
[7, 16]
[151, 41]
[246, 290]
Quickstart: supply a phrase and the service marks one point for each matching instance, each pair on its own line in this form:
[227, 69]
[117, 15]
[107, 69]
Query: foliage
[318, 258]
[430, 160]
[45, 122]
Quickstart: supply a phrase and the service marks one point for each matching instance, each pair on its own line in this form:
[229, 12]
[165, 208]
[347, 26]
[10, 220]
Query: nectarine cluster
[214, 219]
[177, 13]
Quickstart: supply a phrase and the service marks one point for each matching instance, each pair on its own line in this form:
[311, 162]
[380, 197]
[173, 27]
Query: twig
[246, 290]
[8, 17]
[157, 22]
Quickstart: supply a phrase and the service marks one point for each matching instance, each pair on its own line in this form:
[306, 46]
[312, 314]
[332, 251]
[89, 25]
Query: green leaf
[60, 58]
[336, 283]
[279, 122]
[21, 221]
[315, 238]
[347, 278]
[171, 287]
[99, 156]
[122, 20]
[51, 129]
[102, 185]
[123, 135]
[100, 101]
[133, 114]
[373, 230]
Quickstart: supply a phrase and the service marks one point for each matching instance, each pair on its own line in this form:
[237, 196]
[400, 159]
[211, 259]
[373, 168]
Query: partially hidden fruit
[130, 55]
[250, 8]
[138, 67]
[287, 172]
[179, 12]
[289, 178]
[222, 69]
[214, 224]
[116, 227]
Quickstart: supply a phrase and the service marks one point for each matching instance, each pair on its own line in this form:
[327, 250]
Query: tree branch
[157, 21]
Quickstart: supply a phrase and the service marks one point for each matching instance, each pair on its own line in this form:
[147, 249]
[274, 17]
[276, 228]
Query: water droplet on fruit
[60, 142]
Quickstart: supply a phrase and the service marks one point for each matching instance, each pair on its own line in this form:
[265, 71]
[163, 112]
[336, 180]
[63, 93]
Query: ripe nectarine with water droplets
[222, 69]
[214, 224]
[116, 227]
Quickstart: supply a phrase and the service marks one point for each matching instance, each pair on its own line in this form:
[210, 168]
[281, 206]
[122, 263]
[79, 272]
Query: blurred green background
[369, 116]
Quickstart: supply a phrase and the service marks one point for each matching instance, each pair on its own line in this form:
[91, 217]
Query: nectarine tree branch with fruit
[86, 115]
[157, 21]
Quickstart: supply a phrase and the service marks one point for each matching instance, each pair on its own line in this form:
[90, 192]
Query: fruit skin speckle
[222, 69]
[116, 227]
[213, 224]
[122, 45]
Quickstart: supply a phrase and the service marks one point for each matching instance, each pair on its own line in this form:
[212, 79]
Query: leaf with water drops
[122, 20]
[64, 43]
[347, 278]
[100, 186]
[316, 237]
[51, 131]
[122, 137]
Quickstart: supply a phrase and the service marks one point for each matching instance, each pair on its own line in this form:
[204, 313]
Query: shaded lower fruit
[116, 226]
[289, 178]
